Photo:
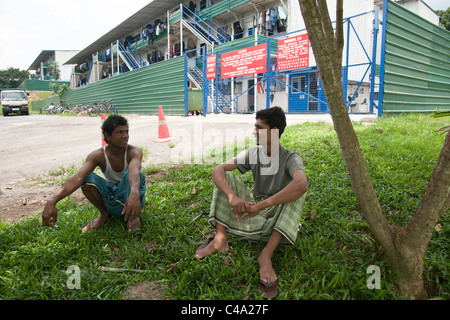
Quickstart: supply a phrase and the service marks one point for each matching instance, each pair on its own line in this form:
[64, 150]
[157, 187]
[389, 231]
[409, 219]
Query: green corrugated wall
[211, 11]
[222, 7]
[40, 85]
[416, 64]
[39, 104]
[140, 91]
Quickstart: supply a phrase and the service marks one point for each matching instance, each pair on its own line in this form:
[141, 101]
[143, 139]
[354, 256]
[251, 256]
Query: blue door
[298, 93]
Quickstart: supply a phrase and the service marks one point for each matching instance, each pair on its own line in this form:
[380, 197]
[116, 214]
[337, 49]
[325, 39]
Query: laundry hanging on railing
[271, 21]
[151, 31]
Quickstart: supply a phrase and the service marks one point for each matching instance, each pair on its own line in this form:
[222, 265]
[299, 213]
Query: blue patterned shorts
[114, 197]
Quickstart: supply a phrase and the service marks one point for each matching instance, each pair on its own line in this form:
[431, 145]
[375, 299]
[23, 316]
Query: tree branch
[339, 29]
[435, 201]
[314, 23]
[326, 25]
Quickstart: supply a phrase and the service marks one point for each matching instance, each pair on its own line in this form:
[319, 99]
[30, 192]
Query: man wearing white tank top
[121, 193]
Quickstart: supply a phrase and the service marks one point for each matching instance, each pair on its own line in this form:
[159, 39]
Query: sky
[29, 26]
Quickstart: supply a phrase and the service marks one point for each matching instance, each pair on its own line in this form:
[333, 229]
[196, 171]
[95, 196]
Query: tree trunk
[412, 242]
[404, 248]
[407, 263]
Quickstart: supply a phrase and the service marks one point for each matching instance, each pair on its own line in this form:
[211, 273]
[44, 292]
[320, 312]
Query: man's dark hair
[112, 122]
[273, 117]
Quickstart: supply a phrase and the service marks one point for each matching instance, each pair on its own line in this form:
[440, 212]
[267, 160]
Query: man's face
[119, 136]
[263, 133]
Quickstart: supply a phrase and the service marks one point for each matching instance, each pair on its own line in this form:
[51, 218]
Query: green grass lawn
[329, 260]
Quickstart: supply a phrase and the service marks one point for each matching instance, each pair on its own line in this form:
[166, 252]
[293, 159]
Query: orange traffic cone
[103, 117]
[163, 130]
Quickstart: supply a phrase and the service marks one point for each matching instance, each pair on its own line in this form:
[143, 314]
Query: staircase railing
[195, 74]
[205, 27]
[136, 57]
[127, 56]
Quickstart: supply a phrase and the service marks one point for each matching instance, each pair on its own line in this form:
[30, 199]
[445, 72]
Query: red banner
[293, 53]
[211, 67]
[244, 62]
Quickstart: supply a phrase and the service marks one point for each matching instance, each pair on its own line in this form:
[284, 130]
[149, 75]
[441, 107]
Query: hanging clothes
[282, 20]
[257, 20]
[238, 31]
[273, 19]
[267, 22]
[281, 13]
[192, 6]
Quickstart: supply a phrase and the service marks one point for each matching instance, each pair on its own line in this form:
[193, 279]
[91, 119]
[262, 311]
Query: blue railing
[136, 57]
[128, 56]
[203, 25]
[192, 61]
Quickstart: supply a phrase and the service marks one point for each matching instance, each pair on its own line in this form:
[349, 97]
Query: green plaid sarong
[284, 218]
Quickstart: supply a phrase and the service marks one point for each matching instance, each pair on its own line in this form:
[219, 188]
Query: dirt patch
[27, 197]
[22, 199]
[151, 290]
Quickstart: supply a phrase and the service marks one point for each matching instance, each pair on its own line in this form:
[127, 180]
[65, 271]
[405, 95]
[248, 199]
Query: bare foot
[217, 244]
[95, 224]
[134, 225]
[266, 272]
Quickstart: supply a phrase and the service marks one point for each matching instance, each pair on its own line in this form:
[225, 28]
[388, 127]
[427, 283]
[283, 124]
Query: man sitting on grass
[272, 214]
[121, 194]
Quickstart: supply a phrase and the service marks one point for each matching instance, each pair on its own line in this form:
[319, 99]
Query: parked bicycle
[106, 107]
[53, 109]
[80, 110]
[110, 108]
[66, 109]
[46, 108]
[94, 110]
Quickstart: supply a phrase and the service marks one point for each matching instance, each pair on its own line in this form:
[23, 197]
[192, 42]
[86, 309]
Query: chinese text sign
[293, 53]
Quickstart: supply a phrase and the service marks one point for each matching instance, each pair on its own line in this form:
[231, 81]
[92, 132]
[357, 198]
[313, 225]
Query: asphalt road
[33, 145]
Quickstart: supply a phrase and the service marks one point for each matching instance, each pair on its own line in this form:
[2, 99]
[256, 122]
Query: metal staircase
[212, 34]
[195, 74]
[203, 27]
[131, 59]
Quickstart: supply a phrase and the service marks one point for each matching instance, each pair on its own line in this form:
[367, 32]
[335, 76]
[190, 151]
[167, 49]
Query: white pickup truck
[14, 101]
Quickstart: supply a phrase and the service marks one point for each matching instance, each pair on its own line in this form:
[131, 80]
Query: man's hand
[252, 210]
[243, 209]
[49, 215]
[132, 208]
[238, 205]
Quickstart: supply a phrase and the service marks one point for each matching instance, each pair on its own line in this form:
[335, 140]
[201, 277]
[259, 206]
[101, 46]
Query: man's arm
[218, 175]
[293, 191]
[132, 208]
[50, 213]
